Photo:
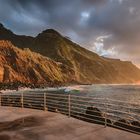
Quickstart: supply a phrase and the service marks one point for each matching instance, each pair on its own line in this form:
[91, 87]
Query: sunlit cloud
[100, 48]
[132, 10]
[84, 17]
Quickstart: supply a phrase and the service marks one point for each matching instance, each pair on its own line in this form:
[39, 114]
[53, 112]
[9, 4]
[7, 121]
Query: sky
[110, 28]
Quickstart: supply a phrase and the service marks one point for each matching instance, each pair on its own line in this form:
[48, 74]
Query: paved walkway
[40, 125]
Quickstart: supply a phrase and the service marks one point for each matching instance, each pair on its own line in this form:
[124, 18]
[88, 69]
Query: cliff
[83, 66]
[29, 67]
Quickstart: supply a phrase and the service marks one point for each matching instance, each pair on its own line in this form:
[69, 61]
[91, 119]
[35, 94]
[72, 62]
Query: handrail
[108, 99]
[88, 108]
[105, 104]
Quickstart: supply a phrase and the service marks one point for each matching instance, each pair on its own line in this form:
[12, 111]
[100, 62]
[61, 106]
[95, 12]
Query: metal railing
[104, 111]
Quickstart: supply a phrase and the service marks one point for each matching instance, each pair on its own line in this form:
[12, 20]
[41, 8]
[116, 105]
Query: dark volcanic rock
[123, 124]
[94, 115]
[135, 126]
[93, 111]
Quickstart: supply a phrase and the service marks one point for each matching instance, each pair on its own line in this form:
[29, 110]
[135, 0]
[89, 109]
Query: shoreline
[23, 86]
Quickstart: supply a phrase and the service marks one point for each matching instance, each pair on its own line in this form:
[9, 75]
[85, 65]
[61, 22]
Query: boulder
[135, 126]
[122, 124]
[94, 115]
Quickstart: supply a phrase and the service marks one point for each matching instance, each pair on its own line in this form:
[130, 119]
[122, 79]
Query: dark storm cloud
[124, 25]
[61, 14]
[115, 21]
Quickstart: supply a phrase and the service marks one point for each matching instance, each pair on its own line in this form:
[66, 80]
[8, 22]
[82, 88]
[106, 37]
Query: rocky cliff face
[82, 65]
[29, 67]
[88, 66]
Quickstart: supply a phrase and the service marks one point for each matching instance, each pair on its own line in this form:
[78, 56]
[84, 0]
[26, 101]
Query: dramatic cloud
[109, 27]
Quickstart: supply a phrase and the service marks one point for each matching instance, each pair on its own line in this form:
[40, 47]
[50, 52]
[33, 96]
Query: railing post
[130, 112]
[106, 113]
[69, 105]
[22, 102]
[105, 120]
[44, 101]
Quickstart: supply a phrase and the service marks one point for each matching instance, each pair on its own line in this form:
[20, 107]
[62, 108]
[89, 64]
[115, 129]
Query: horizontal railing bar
[57, 108]
[86, 97]
[95, 111]
[33, 96]
[106, 100]
[35, 101]
[117, 111]
[104, 118]
[20, 97]
[56, 104]
[10, 104]
[86, 117]
[27, 100]
[123, 128]
[127, 124]
[57, 101]
[92, 102]
[131, 118]
[13, 102]
[123, 112]
[59, 94]
[34, 107]
[10, 93]
[123, 102]
[35, 104]
[118, 105]
[58, 111]
[41, 99]
[10, 100]
[56, 97]
[90, 97]
[11, 97]
[46, 97]
[91, 115]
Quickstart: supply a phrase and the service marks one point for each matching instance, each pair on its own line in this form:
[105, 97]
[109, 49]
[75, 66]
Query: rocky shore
[18, 85]
[94, 115]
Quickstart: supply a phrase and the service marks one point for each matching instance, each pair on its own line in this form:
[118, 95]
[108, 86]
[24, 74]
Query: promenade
[31, 124]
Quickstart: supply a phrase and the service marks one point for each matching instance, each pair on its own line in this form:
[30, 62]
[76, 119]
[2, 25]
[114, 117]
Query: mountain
[87, 66]
[28, 67]
[21, 41]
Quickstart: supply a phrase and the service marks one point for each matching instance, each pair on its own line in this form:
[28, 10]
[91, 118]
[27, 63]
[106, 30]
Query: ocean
[121, 100]
[128, 93]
